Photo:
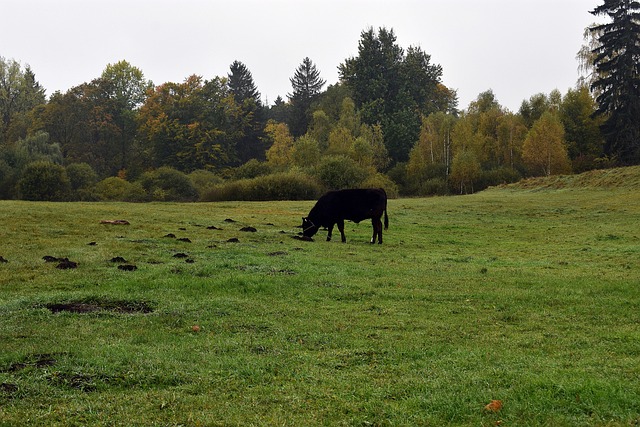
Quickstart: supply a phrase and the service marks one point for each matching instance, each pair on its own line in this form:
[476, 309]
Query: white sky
[518, 48]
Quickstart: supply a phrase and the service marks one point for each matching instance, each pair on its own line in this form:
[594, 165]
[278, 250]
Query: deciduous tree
[82, 121]
[544, 151]
[305, 152]
[431, 156]
[128, 88]
[465, 169]
[186, 126]
[19, 93]
[279, 154]
[582, 128]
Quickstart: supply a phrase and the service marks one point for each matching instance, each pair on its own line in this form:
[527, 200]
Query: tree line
[389, 121]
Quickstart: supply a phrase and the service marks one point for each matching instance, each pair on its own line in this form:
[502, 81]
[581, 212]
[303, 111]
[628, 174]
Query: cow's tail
[386, 219]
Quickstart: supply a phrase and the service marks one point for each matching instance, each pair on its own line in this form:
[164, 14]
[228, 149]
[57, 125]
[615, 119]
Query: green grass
[531, 297]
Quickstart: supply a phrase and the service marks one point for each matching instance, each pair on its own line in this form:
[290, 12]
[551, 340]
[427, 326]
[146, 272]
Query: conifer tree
[250, 122]
[306, 84]
[617, 63]
[242, 85]
[393, 88]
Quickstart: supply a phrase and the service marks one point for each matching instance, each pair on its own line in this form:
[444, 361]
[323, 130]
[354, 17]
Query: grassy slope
[618, 178]
[530, 297]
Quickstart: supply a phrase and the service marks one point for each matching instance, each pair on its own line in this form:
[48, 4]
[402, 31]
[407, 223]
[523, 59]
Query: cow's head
[308, 227]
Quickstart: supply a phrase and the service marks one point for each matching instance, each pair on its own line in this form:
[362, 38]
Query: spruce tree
[617, 62]
[241, 84]
[307, 85]
[250, 122]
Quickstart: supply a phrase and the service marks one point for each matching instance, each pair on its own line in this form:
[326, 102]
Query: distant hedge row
[48, 181]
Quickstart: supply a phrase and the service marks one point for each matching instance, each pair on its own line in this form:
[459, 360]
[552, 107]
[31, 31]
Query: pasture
[526, 296]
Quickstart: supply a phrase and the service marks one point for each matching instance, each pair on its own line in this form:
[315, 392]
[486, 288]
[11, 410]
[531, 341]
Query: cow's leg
[329, 233]
[341, 228]
[377, 230]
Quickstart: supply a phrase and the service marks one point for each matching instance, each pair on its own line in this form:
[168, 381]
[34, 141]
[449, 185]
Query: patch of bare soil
[125, 307]
[39, 360]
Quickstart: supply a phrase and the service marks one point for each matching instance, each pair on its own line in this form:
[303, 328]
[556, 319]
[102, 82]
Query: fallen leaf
[494, 406]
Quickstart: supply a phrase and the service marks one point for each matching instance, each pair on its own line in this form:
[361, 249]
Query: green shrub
[204, 180]
[118, 189]
[398, 174]
[7, 180]
[43, 180]
[380, 180]
[496, 177]
[431, 187]
[291, 185]
[168, 184]
[337, 172]
[83, 180]
[233, 190]
[81, 175]
[252, 169]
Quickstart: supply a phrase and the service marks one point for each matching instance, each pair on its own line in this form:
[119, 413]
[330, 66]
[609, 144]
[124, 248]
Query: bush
[43, 180]
[7, 180]
[292, 185]
[285, 186]
[118, 189]
[398, 174]
[427, 180]
[168, 184]
[431, 187]
[338, 172]
[252, 169]
[382, 181]
[81, 175]
[204, 180]
[497, 177]
[112, 188]
[83, 179]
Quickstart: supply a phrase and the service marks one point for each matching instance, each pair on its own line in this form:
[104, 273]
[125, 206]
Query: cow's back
[351, 204]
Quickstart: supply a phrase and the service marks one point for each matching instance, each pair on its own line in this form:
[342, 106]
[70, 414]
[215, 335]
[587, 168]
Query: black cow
[353, 205]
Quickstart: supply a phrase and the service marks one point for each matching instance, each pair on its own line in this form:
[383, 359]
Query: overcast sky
[517, 48]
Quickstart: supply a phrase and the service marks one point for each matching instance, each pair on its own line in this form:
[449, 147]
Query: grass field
[529, 295]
